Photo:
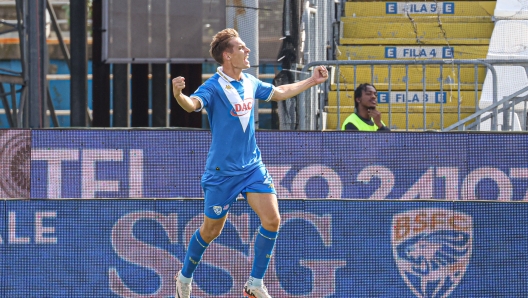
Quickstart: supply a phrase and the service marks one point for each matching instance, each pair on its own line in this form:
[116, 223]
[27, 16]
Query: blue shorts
[222, 191]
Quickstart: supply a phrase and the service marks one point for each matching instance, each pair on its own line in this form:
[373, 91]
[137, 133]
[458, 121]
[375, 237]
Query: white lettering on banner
[232, 261]
[298, 188]
[277, 174]
[332, 178]
[133, 250]
[520, 173]
[419, 8]
[324, 273]
[450, 176]
[412, 97]
[13, 231]
[500, 178]
[419, 52]
[89, 159]
[54, 158]
[42, 232]
[386, 178]
[89, 183]
[423, 188]
[135, 174]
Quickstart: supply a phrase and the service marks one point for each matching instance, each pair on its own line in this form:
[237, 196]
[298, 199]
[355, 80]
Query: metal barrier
[311, 104]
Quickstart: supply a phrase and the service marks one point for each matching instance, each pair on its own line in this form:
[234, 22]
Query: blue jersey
[229, 105]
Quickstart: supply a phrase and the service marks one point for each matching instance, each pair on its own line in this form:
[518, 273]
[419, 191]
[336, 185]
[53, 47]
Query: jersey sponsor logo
[241, 109]
[432, 248]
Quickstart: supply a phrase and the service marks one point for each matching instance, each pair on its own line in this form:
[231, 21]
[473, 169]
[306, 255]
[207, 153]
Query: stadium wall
[108, 213]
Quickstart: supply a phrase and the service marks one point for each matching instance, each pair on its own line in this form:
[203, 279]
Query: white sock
[184, 279]
[257, 282]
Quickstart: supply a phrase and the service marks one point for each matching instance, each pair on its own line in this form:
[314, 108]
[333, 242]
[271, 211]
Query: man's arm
[187, 103]
[320, 74]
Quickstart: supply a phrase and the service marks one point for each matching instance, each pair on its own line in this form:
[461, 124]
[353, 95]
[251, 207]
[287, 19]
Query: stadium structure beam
[121, 95]
[140, 95]
[79, 64]
[100, 71]
[160, 105]
[37, 66]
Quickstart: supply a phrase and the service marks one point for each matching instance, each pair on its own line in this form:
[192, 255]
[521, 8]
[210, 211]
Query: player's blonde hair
[220, 43]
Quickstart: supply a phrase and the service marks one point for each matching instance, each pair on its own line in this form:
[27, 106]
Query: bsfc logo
[432, 249]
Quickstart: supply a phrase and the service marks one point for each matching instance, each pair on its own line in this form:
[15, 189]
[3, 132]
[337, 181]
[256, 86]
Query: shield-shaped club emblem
[432, 249]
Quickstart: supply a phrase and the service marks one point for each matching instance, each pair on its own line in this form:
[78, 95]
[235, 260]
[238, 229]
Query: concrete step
[412, 33]
[444, 9]
[379, 76]
[415, 98]
[398, 121]
[403, 52]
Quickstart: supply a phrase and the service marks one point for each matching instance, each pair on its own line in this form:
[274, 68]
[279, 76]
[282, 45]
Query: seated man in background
[365, 116]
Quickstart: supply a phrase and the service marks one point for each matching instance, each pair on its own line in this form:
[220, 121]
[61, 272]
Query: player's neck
[232, 72]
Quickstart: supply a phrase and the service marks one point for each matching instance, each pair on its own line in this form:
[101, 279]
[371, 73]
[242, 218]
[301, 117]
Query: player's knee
[271, 223]
[210, 233]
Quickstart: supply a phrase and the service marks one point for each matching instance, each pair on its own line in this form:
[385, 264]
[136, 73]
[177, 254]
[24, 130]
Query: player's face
[369, 97]
[239, 55]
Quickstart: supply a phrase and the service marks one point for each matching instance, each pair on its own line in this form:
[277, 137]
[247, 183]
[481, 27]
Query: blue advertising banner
[327, 248]
[314, 165]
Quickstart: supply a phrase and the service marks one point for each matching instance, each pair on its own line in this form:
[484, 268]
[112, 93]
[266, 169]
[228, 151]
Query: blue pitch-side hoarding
[326, 248]
[379, 243]
[162, 164]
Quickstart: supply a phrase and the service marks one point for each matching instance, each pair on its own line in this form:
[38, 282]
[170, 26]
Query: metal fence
[497, 114]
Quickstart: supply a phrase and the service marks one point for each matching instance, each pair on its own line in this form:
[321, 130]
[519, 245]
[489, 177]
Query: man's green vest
[362, 126]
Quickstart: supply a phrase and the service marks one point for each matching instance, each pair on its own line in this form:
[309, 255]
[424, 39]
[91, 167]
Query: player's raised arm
[187, 103]
[320, 74]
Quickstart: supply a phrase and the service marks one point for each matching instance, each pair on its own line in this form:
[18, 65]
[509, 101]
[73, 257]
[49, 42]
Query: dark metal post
[160, 104]
[193, 79]
[37, 63]
[140, 95]
[100, 71]
[79, 63]
[121, 92]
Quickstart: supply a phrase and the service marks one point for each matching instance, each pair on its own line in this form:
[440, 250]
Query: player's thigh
[266, 206]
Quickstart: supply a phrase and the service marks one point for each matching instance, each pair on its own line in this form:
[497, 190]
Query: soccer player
[234, 165]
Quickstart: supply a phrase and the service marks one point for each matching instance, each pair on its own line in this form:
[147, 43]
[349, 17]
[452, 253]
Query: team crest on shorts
[217, 209]
[432, 249]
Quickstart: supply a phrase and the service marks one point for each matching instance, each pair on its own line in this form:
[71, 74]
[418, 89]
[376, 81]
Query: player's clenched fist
[178, 84]
[320, 74]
